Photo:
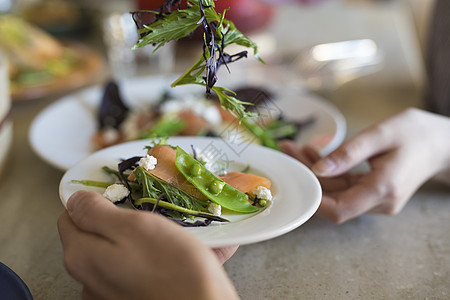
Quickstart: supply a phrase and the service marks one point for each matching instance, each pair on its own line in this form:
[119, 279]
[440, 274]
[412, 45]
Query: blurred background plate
[62, 133]
[90, 65]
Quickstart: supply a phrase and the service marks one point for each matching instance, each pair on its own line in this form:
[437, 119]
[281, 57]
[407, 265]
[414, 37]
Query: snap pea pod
[211, 186]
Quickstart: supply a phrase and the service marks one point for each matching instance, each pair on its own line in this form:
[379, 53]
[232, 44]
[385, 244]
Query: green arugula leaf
[234, 36]
[232, 104]
[174, 26]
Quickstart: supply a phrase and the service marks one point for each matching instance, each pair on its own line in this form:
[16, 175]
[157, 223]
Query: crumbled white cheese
[110, 135]
[148, 162]
[116, 192]
[263, 193]
[211, 114]
[205, 157]
[215, 209]
[199, 106]
[171, 106]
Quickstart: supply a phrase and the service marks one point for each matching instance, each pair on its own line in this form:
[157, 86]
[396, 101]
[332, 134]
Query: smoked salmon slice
[245, 182]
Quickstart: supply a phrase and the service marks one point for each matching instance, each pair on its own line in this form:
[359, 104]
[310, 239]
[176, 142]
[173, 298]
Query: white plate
[61, 134]
[296, 191]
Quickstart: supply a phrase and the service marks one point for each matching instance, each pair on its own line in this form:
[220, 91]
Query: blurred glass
[325, 67]
[5, 108]
[5, 5]
[120, 35]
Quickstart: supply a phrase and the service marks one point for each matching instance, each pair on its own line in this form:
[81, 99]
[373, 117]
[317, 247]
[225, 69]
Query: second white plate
[61, 134]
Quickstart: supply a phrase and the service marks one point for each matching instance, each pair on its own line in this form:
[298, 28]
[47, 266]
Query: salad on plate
[183, 186]
[40, 64]
[194, 168]
[191, 114]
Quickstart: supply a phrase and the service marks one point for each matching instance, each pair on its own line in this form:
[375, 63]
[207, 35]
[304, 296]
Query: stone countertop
[371, 257]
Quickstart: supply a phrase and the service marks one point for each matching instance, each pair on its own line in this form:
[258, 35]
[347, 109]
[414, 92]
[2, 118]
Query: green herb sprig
[218, 34]
[153, 187]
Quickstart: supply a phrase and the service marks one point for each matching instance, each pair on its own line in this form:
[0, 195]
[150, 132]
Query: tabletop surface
[371, 257]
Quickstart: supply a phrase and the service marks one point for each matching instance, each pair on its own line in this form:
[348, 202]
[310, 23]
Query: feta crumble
[215, 209]
[199, 106]
[206, 158]
[116, 192]
[110, 135]
[261, 192]
[148, 162]
[211, 114]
